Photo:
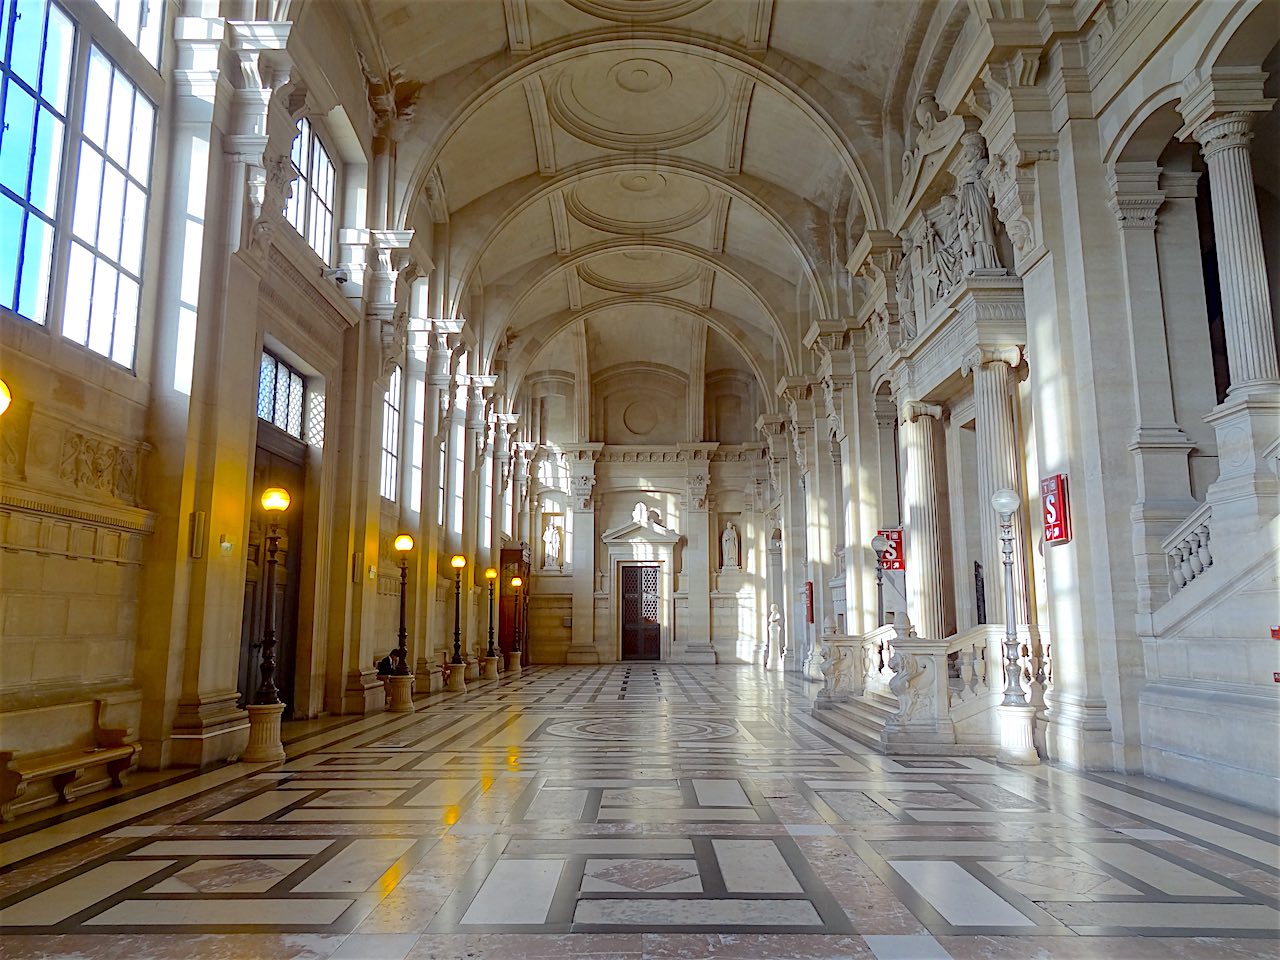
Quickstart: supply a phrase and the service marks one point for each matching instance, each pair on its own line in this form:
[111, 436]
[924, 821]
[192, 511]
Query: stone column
[1160, 448]
[693, 637]
[1242, 269]
[998, 455]
[921, 529]
[582, 479]
[1247, 493]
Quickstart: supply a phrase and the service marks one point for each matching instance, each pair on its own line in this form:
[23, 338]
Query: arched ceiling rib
[711, 157]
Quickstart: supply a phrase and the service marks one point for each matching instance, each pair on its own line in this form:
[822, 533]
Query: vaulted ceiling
[607, 160]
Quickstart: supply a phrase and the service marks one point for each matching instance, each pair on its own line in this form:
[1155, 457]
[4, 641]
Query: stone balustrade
[976, 655]
[1188, 551]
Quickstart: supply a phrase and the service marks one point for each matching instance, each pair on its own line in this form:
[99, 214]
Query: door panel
[272, 468]
[641, 603]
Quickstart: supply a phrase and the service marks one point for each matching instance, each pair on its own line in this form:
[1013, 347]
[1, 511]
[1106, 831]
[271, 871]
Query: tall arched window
[310, 207]
[78, 261]
[391, 437]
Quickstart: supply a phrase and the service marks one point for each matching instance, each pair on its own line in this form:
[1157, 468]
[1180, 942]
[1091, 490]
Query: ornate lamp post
[457, 670]
[266, 709]
[491, 655]
[1017, 718]
[879, 543]
[513, 657]
[401, 683]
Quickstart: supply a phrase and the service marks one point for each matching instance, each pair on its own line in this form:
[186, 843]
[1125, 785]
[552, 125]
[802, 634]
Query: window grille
[281, 395]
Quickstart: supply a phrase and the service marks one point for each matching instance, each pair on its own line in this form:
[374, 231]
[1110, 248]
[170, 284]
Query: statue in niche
[773, 652]
[943, 238]
[729, 547]
[552, 543]
[906, 291]
[977, 225]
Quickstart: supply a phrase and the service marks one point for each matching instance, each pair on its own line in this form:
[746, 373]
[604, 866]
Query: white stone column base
[401, 694]
[491, 668]
[457, 678]
[1017, 734]
[513, 663]
[264, 734]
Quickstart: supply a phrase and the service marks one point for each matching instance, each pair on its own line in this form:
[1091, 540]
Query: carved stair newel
[1220, 113]
[919, 681]
[918, 434]
[582, 480]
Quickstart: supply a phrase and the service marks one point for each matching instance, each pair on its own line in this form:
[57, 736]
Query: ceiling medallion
[640, 75]
[623, 101]
[638, 11]
[645, 275]
[639, 202]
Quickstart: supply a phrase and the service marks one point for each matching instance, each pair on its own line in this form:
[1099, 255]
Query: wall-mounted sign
[1056, 506]
[893, 558]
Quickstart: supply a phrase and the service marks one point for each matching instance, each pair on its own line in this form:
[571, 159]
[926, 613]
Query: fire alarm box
[808, 601]
[893, 557]
[1055, 504]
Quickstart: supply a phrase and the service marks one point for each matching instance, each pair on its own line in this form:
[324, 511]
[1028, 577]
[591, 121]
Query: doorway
[641, 602]
[277, 462]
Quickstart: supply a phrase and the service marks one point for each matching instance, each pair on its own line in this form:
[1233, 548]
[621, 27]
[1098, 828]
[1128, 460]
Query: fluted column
[1246, 494]
[922, 529]
[1242, 269]
[997, 469]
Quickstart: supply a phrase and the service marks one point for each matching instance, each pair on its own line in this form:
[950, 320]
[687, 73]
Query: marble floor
[641, 811]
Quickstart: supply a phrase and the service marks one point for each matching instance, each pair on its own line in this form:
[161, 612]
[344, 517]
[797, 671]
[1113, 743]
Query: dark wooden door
[514, 563]
[278, 462]
[641, 631]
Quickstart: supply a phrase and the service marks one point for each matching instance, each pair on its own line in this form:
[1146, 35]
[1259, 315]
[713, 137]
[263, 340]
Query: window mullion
[70, 177]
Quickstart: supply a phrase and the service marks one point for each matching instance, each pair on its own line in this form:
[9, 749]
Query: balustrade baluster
[1205, 555]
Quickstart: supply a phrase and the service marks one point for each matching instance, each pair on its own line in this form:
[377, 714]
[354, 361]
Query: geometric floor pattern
[642, 811]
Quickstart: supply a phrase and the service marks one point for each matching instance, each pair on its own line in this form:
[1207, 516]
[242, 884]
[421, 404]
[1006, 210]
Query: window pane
[28, 38]
[88, 195]
[111, 216]
[140, 150]
[129, 18]
[135, 223]
[120, 124]
[295, 405]
[281, 417]
[75, 313]
[37, 263]
[97, 91]
[48, 162]
[152, 21]
[10, 242]
[19, 129]
[266, 386]
[103, 308]
[126, 322]
[55, 76]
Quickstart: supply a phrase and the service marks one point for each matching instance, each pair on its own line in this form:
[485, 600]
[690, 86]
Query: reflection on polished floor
[638, 811]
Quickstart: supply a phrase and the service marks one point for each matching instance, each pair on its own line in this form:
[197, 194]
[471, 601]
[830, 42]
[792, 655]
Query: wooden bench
[66, 768]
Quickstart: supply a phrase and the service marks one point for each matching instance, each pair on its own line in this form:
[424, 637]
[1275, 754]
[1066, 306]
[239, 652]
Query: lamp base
[457, 678]
[490, 668]
[401, 694]
[1017, 734]
[513, 663]
[264, 734]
